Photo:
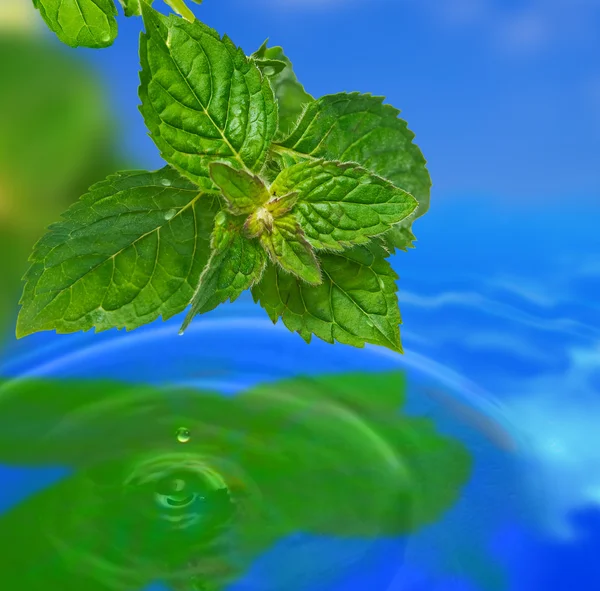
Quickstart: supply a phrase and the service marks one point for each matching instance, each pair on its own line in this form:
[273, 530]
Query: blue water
[499, 310]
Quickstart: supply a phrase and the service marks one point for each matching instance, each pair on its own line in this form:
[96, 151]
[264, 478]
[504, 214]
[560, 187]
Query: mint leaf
[80, 23]
[400, 236]
[291, 96]
[243, 192]
[341, 204]
[235, 265]
[355, 304]
[270, 67]
[202, 99]
[279, 206]
[360, 128]
[129, 251]
[288, 248]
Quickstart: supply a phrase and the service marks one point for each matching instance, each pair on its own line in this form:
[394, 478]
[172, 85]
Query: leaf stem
[180, 7]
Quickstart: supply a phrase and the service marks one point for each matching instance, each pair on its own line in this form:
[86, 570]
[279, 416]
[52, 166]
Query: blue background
[499, 299]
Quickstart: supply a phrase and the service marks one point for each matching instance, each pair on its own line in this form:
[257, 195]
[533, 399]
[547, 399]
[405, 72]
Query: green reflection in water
[331, 455]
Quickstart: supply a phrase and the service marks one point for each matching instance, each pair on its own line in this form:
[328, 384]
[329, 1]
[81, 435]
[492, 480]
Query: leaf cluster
[299, 199]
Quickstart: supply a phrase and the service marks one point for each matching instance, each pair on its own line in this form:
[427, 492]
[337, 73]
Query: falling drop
[170, 214]
[183, 435]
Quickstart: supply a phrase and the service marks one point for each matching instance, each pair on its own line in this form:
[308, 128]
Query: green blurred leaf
[231, 119]
[81, 23]
[342, 204]
[129, 251]
[56, 140]
[359, 465]
[55, 137]
[355, 304]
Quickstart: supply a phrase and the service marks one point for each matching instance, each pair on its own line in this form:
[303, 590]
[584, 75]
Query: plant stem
[180, 8]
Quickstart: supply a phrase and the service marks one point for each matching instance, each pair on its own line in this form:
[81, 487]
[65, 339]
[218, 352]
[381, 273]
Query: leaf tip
[313, 276]
[23, 329]
[187, 321]
[153, 20]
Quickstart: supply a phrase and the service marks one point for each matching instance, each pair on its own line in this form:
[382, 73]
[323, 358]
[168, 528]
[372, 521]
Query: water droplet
[370, 323]
[183, 435]
[269, 70]
[381, 283]
[98, 316]
[165, 182]
[170, 214]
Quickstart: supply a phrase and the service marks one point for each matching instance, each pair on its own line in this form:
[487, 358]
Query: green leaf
[355, 304]
[129, 251]
[235, 265]
[291, 96]
[270, 67]
[279, 206]
[80, 23]
[400, 237]
[202, 99]
[360, 128]
[288, 248]
[341, 204]
[243, 192]
[261, 51]
[180, 7]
